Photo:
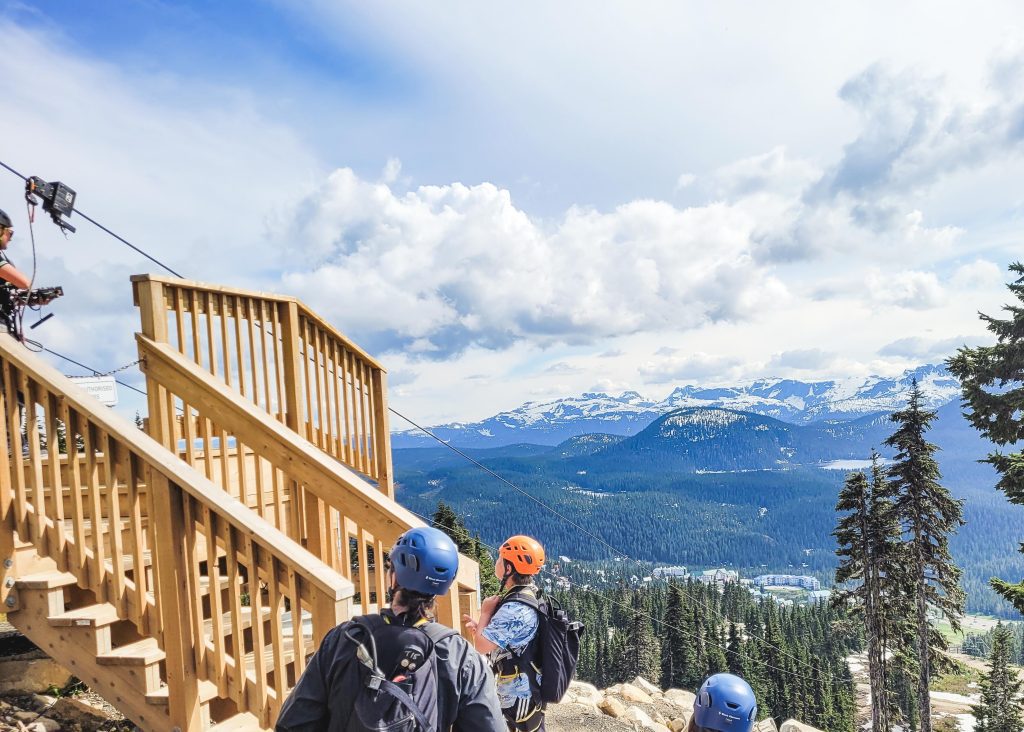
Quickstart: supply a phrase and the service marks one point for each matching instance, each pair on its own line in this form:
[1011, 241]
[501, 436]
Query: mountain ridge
[788, 400]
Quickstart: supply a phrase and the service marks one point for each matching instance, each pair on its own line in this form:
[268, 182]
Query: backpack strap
[526, 595]
[396, 691]
[438, 632]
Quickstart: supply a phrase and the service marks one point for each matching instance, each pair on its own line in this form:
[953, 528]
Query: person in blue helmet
[399, 670]
[725, 703]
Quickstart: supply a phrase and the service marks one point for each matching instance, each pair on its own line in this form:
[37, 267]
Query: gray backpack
[404, 697]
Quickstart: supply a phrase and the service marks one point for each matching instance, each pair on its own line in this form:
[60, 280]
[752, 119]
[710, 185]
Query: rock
[42, 701]
[638, 715]
[591, 709]
[612, 707]
[583, 693]
[681, 698]
[766, 725]
[791, 725]
[646, 685]
[44, 724]
[77, 710]
[632, 693]
[677, 725]
[29, 674]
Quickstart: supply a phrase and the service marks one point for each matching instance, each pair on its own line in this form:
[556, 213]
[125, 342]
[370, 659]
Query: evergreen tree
[734, 651]
[638, 652]
[1001, 709]
[928, 514]
[991, 378]
[674, 640]
[449, 522]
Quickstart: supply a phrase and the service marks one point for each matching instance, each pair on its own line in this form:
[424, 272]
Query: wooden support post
[448, 609]
[174, 603]
[382, 438]
[153, 312]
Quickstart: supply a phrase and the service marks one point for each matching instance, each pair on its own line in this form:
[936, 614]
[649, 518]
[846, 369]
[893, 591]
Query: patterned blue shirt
[511, 629]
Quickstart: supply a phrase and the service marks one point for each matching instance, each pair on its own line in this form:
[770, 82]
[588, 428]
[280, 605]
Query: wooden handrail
[284, 358]
[146, 533]
[351, 501]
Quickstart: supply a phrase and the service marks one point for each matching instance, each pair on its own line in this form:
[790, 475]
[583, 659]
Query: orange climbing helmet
[526, 555]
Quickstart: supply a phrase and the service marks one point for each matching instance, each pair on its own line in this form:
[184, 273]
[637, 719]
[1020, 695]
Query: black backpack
[400, 699]
[556, 648]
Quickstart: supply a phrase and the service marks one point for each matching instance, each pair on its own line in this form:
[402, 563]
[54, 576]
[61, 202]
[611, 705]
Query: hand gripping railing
[226, 594]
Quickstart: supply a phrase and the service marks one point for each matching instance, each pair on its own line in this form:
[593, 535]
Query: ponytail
[416, 604]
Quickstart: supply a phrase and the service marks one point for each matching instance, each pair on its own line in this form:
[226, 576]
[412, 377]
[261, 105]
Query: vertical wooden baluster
[222, 303]
[208, 305]
[252, 558]
[353, 411]
[348, 530]
[327, 416]
[279, 369]
[381, 573]
[17, 452]
[179, 318]
[243, 472]
[237, 680]
[331, 516]
[98, 568]
[276, 602]
[207, 436]
[250, 307]
[110, 459]
[56, 486]
[74, 429]
[382, 434]
[277, 478]
[364, 571]
[321, 419]
[211, 532]
[370, 399]
[190, 435]
[238, 344]
[192, 560]
[38, 490]
[298, 644]
[138, 547]
[307, 355]
[193, 306]
[364, 388]
[267, 402]
[339, 388]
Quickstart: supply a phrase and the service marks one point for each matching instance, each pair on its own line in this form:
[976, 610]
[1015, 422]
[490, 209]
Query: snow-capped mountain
[788, 400]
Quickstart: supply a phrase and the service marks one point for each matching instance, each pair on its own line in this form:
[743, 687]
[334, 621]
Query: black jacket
[467, 700]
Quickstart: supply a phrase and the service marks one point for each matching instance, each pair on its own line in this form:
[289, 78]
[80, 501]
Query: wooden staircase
[186, 575]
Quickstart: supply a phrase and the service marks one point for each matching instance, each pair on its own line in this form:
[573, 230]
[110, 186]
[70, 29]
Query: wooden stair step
[207, 692]
[46, 580]
[244, 722]
[95, 616]
[141, 653]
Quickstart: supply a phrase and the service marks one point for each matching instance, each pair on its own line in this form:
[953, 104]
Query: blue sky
[521, 202]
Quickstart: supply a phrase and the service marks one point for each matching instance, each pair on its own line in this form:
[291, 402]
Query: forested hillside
[665, 496]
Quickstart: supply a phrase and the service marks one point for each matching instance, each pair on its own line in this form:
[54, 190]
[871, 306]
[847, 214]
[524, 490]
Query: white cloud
[907, 289]
[803, 359]
[979, 274]
[922, 349]
[693, 366]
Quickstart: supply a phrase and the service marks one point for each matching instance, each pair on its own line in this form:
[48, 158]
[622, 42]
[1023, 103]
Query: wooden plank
[236, 676]
[382, 437]
[59, 540]
[295, 602]
[276, 603]
[110, 452]
[210, 530]
[137, 539]
[364, 569]
[208, 307]
[174, 591]
[240, 358]
[307, 384]
[38, 489]
[252, 558]
[98, 570]
[250, 322]
[14, 431]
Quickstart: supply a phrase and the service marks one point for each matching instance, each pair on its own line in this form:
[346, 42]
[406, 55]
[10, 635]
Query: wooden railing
[283, 358]
[226, 594]
[337, 514]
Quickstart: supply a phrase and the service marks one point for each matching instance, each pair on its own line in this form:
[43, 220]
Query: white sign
[104, 388]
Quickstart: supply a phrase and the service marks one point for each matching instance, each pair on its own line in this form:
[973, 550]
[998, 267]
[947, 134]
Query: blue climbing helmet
[425, 560]
[725, 703]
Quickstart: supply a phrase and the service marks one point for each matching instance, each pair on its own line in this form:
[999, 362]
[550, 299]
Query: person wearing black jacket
[424, 562]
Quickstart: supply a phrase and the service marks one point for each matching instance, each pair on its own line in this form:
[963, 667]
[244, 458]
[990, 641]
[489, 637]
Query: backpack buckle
[373, 682]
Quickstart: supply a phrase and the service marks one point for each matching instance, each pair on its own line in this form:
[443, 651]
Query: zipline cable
[475, 462]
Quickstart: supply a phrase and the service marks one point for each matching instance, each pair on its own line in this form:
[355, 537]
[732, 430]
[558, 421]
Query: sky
[524, 202]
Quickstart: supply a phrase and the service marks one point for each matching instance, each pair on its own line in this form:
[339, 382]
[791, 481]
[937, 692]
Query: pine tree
[449, 522]
[674, 640]
[857, 536]
[991, 378]
[734, 651]
[637, 649]
[1001, 709]
[928, 514]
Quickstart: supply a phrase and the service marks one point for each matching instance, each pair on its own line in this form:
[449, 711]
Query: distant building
[718, 576]
[819, 595]
[788, 580]
[678, 572]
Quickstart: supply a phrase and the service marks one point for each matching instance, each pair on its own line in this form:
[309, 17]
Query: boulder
[642, 683]
[680, 698]
[638, 715]
[583, 693]
[791, 725]
[79, 711]
[677, 725]
[612, 707]
[766, 725]
[634, 694]
[31, 673]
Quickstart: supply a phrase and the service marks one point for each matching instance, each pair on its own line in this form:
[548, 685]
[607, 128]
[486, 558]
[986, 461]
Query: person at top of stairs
[398, 670]
[725, 703]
